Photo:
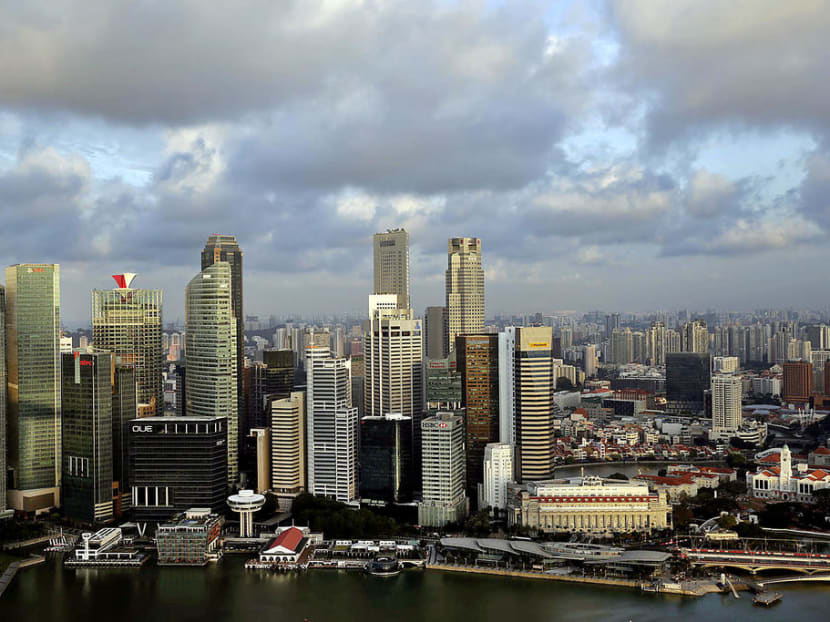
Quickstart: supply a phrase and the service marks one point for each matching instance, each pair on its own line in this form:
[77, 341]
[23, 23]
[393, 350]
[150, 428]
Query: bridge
[793, 578]
[755, 555]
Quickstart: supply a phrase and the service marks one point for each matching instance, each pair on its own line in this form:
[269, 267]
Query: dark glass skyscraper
[124, 410]
[86, 399]
[386, 466]
[688, 375]
[177, 463]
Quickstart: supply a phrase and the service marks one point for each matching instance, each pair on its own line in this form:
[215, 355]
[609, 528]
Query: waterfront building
[498, 473]
[105, 548]
[688, 375]
[435, 333]
[443, 466]
[587, 505]
[177, 463]
[246, 503]
[124, 410]
[392, 265]
[332, 424]
[127, 323]
[386, 460]
[286, 548]
[464, 289]
[86, 403]
[225, 249]
[776, 479]
[797, 386]
[726, 406]
[211, 353]
[191, 538]
[288, 448]
[33, 415]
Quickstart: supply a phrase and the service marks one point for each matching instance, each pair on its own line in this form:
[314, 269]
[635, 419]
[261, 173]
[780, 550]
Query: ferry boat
[384, 567]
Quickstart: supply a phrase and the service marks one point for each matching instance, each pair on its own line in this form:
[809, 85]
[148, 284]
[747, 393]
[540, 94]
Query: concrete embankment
[11, 571]
[698, 588]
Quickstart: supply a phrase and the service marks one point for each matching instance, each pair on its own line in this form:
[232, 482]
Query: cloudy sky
[623, 155]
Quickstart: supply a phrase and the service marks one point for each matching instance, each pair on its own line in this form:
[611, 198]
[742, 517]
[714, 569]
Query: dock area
[767, 599]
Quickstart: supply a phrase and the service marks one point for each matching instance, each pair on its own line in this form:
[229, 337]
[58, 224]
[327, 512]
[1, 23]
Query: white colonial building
[783, 483]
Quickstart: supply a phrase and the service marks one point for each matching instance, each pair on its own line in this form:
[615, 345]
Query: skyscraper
[726, 406]
[798, 382]
[688, 375]
[498, 472]
[33, 445]
[226, 249]
[127, 323]
[478, 365]
[444, 499]
[124, 410]
[86, 398]
[211, 353]
[386, 465]
[527, 380]
[392, 265]
[331, 426]
[288, 448]
[464, 289]
[435, 331]
[695, 337]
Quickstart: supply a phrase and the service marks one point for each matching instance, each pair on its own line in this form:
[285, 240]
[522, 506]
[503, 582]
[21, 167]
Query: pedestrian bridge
[793, 578]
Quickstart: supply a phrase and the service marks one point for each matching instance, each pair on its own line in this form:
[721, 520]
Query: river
[227, 592]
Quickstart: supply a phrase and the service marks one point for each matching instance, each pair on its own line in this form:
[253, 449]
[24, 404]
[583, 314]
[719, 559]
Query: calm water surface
[226, 591]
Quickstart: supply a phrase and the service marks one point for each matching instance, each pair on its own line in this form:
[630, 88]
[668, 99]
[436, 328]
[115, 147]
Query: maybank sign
[538, 345]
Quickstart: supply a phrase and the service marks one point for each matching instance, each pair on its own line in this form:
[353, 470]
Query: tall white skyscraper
[498, 472]
[443, 470]
[392, 346]
[211, 353]
[464, 289]
[332, 434]
[726, 406]
[392, 265]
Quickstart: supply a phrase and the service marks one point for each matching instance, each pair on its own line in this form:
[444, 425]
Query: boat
[383, 567]
[767, 599]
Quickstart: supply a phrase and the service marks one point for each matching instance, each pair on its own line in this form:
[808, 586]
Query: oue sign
[142, 428]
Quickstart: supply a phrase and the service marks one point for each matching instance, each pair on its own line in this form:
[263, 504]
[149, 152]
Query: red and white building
[777, 480]
[287, 547]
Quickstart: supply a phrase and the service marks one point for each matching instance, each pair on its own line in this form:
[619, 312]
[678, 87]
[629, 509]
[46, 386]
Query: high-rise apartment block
[444, 500]
[33, 443]
[726, 406]
[288, 448]
[127, 323]
[86, 397]
[695, 337]
[211, 353]
[392, 265]
[464, 289]
[332, 439]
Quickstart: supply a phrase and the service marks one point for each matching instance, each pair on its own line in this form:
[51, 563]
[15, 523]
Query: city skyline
[601, 164]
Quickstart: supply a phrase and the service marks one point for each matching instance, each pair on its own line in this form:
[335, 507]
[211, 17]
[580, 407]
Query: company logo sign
[142, 428]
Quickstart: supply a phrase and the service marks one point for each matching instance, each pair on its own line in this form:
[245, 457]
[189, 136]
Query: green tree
[564, 384]
[735, 459]
[727, 521]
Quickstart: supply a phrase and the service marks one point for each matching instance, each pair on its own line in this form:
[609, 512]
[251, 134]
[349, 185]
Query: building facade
[191, 538]
[588, 505]
[2, 400]
[86, 398]
[435, 333]
[797, 385]
[688, 375]
[332, 439]
[288, 448]
[386, 460]
[726, 406]
[177, 463]
[211, 353]
[127, 322]
[33, 415]
[776, 480]
[392, 265]
[477, 359]
[498, 473]
[464, 289]
[444, 500]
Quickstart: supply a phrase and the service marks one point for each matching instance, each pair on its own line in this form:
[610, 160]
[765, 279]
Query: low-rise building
[190, 539]
[286, 547]
[588, 505]
[783, 482]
